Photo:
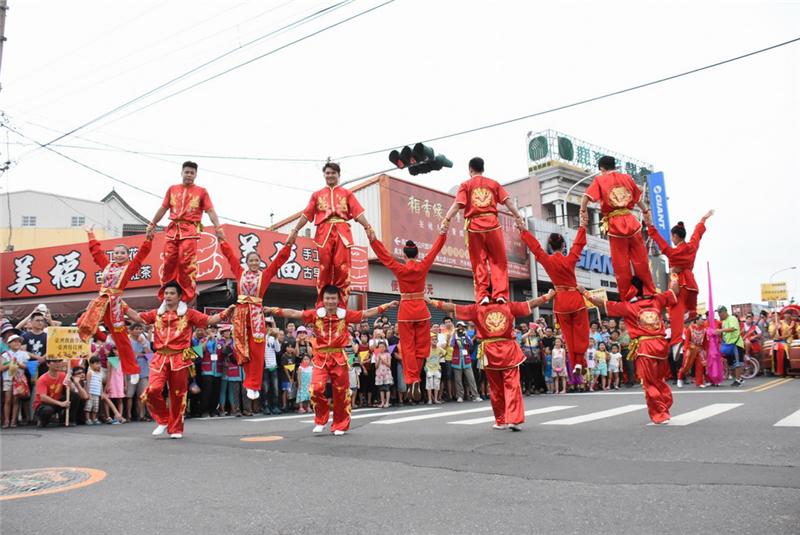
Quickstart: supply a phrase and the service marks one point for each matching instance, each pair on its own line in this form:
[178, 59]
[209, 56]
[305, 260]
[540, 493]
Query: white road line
[376, 414]
[592, 416]
[543, 410]
[295, 416]
[702, 413]
[793, 420]
[428, 416]
[675, 391]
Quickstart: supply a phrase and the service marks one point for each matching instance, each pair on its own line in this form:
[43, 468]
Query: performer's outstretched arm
[384, 256]
[372, 312]
[284, 312]
[233, 259]
[441, 305]
[455, 207]
[95, 248]
[509, 204]
[221, 316]
[362, 220]
[135, 317]
[212, 215]
[430, 257]
[298, 226]
[159, 214]
[542, 299]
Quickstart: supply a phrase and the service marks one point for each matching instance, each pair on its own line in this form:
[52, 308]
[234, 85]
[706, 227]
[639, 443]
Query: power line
[298, 22]
[580, 102]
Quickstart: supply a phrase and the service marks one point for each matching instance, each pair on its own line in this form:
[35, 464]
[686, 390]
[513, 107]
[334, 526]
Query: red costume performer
[186, 203]
[479, 197]
[569, 305]
[413, 317]
[648, 345]
[249, 325]
[783, 332]
[108, 306]
[172, 341]
[618, 194]
[494, 324]
[329, 359]
[330, 209]
[694, 352]
[681, 261]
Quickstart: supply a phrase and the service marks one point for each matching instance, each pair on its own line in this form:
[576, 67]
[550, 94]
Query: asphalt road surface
[729, 462]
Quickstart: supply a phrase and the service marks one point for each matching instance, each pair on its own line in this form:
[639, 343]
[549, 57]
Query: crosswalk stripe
[793, 420]
[701, 414]
[297, 416]
[592, 416]
[543, 410]
[429, 416]
[376, 414]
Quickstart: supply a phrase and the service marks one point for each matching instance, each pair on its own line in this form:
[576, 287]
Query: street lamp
[781, 271]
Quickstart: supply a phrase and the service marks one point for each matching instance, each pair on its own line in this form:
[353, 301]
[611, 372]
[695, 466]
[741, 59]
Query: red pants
[334, 268]
[415, 346]
[180, 265]
[652, 372]
[487, 252]
[178, 383]
[686, 302]
[690, 357]
[778, 356]
[505, 392]
[575, 329]
[627, 251]
[340, 384]
[254, 368]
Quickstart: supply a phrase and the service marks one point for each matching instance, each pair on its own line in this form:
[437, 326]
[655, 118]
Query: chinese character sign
[65, 343]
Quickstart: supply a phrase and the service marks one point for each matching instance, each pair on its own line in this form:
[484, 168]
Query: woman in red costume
[249, 325]
[413, 318]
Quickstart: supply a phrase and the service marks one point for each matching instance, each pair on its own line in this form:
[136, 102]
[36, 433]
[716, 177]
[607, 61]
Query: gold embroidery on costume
[322, 204]
[194, 202]
[650, 320]
[619, 196]
[481, 197]
[496, 322]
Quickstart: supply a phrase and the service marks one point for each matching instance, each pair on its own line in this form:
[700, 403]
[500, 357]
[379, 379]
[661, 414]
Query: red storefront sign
[415, 214]
[70, 269]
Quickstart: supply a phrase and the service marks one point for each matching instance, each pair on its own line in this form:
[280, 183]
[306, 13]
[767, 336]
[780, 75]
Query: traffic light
[418, 160]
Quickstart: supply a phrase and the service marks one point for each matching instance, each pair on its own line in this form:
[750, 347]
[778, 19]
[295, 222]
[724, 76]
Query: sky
[411, 70]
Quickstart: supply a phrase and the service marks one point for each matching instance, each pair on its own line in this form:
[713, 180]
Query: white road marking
[295, 416]
[543, 410]
[376, 414]
[428, 416]
[793, 420]
[701, 414]
[592, 416]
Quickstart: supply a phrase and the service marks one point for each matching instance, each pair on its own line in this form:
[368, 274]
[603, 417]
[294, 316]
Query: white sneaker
[477, 400]
[484, 301]
[702, 385]
[515, 427]
[499, 426]
[159, 430]
[176, 435]
[338, 433]
[134, 378]
[680, 383]
[460, 400]
[318, 429]
[253, 394]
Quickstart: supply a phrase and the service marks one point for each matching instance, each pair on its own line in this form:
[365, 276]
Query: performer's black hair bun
[410, 243]
[680, 224]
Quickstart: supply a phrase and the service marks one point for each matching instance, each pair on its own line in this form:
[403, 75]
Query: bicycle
[751, 367]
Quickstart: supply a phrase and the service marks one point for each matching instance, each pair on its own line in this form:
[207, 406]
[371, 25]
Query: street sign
[774, 291]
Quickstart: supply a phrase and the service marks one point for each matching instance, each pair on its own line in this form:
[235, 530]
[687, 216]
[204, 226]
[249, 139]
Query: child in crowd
[559, 360]
[15, 384]
[614, 363]
[94, 381]
[367, 380]
[433, 370]
[288, 385]
[600, 367]
[353, 372]
[231, 385]
[383, 372]
[548, 369]
[304, 383]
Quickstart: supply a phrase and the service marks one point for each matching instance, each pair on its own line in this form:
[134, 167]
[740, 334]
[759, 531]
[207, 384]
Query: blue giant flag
[658, 204]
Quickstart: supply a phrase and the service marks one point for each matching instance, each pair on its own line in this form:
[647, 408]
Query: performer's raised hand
[443, 226]
[88, 229]
[393, 304]
[584, 218]
[708, 214]
[219, 232]
[519, 223]
[371, 236]
[149, 233]
[648, 218]
[291, 238]
[550, 294]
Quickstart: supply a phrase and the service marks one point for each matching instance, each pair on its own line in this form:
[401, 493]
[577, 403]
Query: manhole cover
[23, 483]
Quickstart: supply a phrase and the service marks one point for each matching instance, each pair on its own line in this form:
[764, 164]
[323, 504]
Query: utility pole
[3, 9]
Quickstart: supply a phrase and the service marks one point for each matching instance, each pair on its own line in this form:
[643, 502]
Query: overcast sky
[725, 138]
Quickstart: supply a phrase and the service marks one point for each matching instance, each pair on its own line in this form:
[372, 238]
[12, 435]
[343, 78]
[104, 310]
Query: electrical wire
[580, 102]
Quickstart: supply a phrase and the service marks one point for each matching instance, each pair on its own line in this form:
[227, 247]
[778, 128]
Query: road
[729, 462]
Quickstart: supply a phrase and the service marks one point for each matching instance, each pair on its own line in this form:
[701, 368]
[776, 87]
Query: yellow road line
[773, 385]
[768, 383]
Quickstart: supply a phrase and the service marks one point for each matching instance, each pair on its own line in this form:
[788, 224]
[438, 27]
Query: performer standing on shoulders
[479, 197]
[328, 355]
[249, 326]
[649, 347]
[330, 209]
[413, 318]
[495, 327]
[172, 342]
[107, 307]
[617, 194]
[569, 306]
[186, 204]
[681, 262]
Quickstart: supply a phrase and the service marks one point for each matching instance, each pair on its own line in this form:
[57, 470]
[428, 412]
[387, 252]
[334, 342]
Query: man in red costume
[108, 306]
[695, 344]
[479, 197]
[249, 325]
[330, 209]
[172, 341]
[413, 318]
[681, 262]
[569, 306]
[186, 203]
[328, 356]
[503, 355]
[649, 346]
[618, 194]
